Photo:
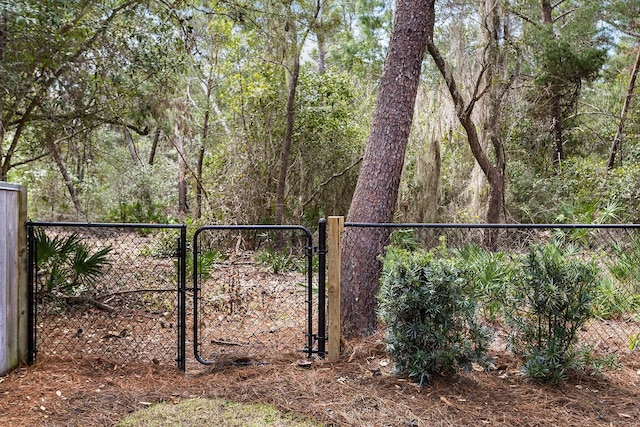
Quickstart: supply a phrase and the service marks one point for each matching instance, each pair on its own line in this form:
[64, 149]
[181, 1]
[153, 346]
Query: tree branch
[331, 178]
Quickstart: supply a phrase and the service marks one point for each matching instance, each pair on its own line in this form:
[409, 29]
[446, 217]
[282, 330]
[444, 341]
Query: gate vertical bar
[31, 295]
[182, 297]
[196, 297]
[322, 264]
[310, 294]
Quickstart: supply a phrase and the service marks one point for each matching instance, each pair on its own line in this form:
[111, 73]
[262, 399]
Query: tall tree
[297, 29]
[565, 48]
[623, 15]
[492, 83]
[376, 191]
[71, 69]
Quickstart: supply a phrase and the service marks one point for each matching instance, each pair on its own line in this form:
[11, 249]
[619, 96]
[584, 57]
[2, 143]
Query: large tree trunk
[617, 140]
[376, 191]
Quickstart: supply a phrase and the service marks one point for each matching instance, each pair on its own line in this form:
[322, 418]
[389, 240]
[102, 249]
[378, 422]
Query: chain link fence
[254, 289]
[614, 249]
[110, 291]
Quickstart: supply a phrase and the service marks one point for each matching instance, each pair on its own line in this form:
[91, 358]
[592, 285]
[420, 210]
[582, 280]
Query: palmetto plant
[66, 264]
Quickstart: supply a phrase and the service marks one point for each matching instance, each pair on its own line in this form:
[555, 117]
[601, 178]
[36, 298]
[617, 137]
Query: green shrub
[429, 315]
[548, 305]
[626, 266]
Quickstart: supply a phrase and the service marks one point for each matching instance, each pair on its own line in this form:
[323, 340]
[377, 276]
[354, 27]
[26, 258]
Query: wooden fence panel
[13, 284]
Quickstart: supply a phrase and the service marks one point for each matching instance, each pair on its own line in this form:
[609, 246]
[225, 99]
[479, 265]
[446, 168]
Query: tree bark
[128, 139]
[464, 112]
[53, 149]
[376, 191]
[154, 145]
[288, 137]
[199, 166]
[182, 167]
[617, 140]
[321, 53]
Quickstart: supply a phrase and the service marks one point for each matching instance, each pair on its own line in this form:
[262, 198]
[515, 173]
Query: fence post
[322, 286]
[182, 297]
[13, 274]
[335, 226]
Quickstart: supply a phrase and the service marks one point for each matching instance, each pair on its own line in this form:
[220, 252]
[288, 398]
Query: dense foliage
[153, 111]
[438, 306]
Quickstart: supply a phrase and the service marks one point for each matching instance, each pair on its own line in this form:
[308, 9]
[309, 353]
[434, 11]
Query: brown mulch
[359, 390]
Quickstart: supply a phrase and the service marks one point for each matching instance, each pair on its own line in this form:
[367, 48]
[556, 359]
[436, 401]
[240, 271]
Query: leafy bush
[66, 264]
[206, 262]
[429, 315]
[548, 305]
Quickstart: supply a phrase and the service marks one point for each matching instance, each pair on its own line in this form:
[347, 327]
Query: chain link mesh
[615, 250]
[253, 295]
[107, 291]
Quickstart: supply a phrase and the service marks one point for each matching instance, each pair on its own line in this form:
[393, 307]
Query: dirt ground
[359, 390]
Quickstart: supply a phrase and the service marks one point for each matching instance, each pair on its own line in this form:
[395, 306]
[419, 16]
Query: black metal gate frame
[309, 254]
[181, 285]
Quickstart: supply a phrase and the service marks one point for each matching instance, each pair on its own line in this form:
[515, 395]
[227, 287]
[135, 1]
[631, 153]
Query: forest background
[258, 112]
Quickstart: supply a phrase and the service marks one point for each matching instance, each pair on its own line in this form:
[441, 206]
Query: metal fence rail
[615, 249]
[109, 290]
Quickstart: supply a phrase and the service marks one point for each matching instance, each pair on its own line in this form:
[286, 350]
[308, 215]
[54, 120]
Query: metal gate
[254, 294]
[116, 291]
[120, 291]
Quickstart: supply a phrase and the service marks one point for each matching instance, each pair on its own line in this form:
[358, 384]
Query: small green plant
[404, 239]
[66, 265]
[548, 305]
[626, 267]
[614, 300]
[490, 275]
[429, 315]
[278, 261]
[138, 212]
[206, 262]
[634, 340]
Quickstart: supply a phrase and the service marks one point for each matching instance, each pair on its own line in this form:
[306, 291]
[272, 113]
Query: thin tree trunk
[128, 139]
[617, 140]
[376, 192]
[285, 153]
[557, 154]
[557, 150]
[154, 145]
[182, 180]
[53, 149]
[463, 112]
[321, 53]
[199, 166]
